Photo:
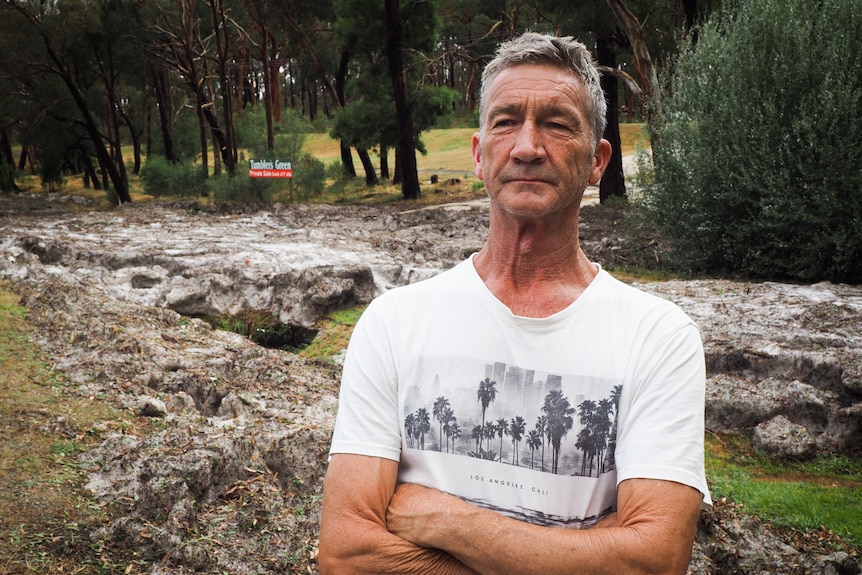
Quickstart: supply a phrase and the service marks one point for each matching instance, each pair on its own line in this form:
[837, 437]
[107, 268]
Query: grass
[44, 512]
[335, 330]
[449, 150]
[824, 494]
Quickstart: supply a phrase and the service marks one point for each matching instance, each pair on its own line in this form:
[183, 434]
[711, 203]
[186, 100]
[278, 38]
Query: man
[487, 409]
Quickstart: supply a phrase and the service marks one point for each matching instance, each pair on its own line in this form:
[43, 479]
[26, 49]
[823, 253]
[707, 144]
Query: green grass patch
[335, 330]
[822, 494]
[44, 425]
[450, 149]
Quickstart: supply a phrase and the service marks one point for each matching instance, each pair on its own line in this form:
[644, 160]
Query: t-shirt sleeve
[661, 426]
[367, 421]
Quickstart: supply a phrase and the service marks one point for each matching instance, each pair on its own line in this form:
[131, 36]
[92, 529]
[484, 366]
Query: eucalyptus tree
[399, 36]
[78, 50]
[11, 37]
[185, 43]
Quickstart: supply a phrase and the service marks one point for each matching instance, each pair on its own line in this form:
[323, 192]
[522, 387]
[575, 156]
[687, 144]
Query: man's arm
[653, 533]
[353, 534]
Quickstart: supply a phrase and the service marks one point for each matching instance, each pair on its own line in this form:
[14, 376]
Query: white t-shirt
[539, 419]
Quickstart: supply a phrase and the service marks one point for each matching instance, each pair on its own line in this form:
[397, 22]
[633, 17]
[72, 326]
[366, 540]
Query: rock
[779, 437]
[152, 407]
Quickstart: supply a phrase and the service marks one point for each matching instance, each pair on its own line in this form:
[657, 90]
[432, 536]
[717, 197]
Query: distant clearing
[449, 149]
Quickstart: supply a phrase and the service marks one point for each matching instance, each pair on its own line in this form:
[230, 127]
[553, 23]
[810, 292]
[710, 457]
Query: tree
[64, 60]
[753, 176]
[406, 151]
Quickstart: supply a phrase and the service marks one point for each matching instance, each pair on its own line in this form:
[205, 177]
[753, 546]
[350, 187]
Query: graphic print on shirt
[525, 422]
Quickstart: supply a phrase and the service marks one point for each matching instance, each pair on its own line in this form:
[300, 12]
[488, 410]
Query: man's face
[534, 151]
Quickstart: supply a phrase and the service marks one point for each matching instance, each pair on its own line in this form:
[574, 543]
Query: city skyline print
[563, 424]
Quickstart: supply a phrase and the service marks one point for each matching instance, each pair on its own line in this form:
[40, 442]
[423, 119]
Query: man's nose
[528, 145]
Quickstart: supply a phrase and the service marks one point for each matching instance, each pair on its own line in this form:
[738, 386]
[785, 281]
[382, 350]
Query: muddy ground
[231, 482]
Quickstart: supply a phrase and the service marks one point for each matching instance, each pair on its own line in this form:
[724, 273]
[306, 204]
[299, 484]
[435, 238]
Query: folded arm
[653, 533]
[353, 533]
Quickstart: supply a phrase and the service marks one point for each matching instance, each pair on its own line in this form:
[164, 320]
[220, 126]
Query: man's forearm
[647, 538]
[354, 537]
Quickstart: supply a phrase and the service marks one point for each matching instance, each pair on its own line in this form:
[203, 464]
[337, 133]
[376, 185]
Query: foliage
[756, 159]
[186, 137]
[822, 494]
[163, 178]
[309, 178]
[242, 188]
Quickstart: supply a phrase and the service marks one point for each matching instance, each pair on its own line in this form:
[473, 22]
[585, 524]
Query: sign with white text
[270, 169]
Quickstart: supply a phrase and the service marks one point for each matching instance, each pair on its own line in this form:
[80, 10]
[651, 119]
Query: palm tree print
[439, 409]
[453, 432]
[486, 394]
[410, 428]
[559, 412]
[541, 426]
[516, 405]
[516, 431]
[534, 442]
[502, 428]
[477, 434]
[423, 425]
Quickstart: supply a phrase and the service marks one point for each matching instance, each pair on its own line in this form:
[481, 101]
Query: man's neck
[535, 272]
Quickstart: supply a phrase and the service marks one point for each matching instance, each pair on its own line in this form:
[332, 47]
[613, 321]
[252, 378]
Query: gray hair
[561, 51]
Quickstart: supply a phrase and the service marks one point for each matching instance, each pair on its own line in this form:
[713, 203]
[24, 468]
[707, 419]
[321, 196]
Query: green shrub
[309, 177]
[163, 178]
[243, 189]
[757, 157]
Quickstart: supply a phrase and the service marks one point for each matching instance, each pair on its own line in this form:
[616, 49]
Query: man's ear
[601, 159]
[477, 157]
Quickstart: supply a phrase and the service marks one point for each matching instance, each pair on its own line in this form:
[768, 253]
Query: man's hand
[652, 532]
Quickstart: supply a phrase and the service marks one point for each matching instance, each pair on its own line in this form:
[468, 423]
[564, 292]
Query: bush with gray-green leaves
[757, 152]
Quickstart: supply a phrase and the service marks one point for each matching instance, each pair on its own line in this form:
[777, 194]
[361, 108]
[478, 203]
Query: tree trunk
[340, 82]
[202, 134]
[267, 88]
[227, 137]
[275, 82]
[90, 169]
[643, 62]
[406, 148]
[165, 105]
[613, 183]
[7, 164]
[384, 162]
[370, 174]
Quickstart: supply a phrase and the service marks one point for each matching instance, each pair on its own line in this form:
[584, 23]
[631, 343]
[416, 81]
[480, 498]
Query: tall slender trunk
[406, 143]
[613, 183]
[165, 105]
